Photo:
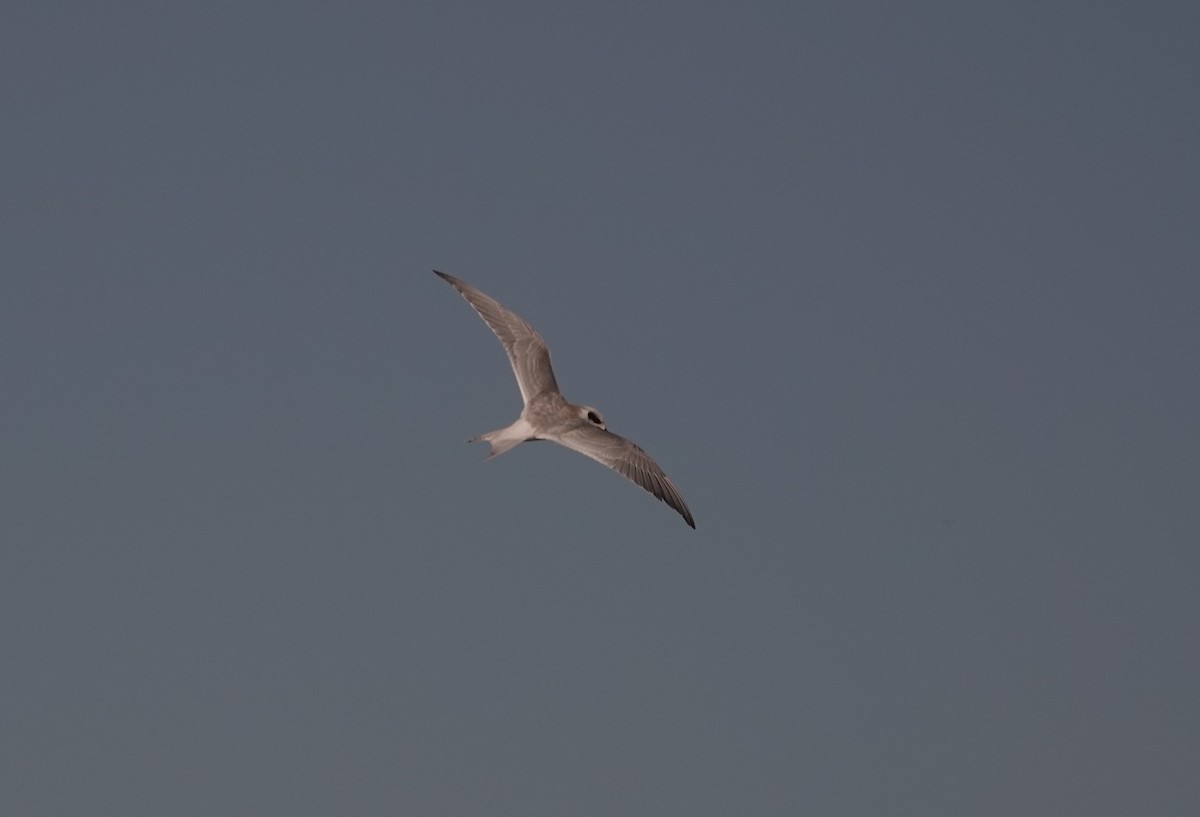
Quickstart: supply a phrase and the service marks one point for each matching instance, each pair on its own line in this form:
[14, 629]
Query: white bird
[548, 416]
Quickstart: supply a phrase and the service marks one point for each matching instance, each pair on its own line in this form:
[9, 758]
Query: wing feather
[527, 352]
[628, 460]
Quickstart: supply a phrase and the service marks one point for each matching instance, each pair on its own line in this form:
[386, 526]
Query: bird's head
[590, 415]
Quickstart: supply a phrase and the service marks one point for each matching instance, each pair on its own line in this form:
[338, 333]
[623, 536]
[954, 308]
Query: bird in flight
[548, 416]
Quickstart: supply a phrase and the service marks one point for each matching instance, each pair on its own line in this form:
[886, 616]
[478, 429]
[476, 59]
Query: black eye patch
[595, 418]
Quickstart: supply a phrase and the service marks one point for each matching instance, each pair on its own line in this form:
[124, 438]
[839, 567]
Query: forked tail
[499, 440]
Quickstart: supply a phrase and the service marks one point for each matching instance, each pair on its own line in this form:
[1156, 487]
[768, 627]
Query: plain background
[902, 296]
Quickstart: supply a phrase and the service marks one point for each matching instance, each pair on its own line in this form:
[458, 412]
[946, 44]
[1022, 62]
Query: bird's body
[548, 416]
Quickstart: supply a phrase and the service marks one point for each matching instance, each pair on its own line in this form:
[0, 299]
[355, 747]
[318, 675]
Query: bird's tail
[501, 440]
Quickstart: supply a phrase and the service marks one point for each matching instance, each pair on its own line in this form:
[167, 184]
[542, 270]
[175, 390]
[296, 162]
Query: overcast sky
[903, 297]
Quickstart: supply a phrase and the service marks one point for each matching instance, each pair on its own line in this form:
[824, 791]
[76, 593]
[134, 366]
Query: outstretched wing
[624, 457]
[526, 350]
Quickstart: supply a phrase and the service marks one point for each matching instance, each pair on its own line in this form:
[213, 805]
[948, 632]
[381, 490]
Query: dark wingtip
[683, 511]
[449, 279]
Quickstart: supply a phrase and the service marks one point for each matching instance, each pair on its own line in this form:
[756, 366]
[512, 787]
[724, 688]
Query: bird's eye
[595, 418]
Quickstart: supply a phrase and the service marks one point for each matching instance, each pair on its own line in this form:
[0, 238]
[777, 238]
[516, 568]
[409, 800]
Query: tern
[548, 416]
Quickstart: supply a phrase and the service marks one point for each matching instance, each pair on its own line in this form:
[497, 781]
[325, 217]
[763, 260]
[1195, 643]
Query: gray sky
[902, 296]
